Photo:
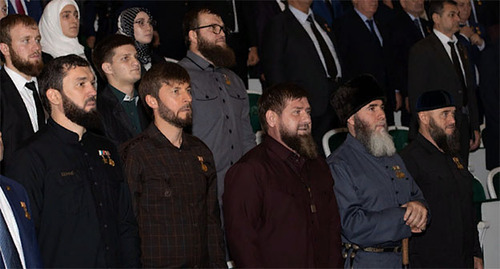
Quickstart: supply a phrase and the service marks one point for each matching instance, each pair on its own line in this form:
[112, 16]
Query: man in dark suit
[21, 110]
[365, 47]
[32, 8]
[408, 28]
[15, 214]
[439, 62]
[297, 47]
[122, 112]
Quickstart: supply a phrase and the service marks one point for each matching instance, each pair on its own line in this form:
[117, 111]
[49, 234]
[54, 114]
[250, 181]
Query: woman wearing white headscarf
[59, 26]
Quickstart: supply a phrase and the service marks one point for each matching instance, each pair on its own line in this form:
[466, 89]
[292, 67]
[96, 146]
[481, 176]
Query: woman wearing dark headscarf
[138, 23]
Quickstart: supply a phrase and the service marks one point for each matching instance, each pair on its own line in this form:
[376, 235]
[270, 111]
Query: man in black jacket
[123, 115]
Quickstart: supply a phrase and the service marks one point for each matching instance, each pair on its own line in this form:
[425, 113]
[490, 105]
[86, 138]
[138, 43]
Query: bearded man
[80, 202]
[173, 180]
[221, 116]
[433, 160]
[21, 112]
[379, 202]
[279, 207]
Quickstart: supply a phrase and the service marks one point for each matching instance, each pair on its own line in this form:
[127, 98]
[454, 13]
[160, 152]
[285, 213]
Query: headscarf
[54, 42]
[126, 27]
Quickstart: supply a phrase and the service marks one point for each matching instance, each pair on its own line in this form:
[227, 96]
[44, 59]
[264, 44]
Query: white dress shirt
[444, 40]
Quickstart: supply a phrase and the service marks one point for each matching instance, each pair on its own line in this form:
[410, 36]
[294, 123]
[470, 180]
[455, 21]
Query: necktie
[417, 24]
[372, 30]
[39, 109]
[458, 69]
[9, 255]
[19, 7]
[327, 55]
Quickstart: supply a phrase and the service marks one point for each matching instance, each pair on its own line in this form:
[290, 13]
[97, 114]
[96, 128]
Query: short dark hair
[105, 50]
[8, 22]
[275, 99]
[161, 73]
[190, 21]
[437, 6]
[53, 74]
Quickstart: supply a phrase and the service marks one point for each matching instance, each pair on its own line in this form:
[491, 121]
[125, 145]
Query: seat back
[479, 196]
[333, 139]
[399, 136]
[253, 97]
[493, 183]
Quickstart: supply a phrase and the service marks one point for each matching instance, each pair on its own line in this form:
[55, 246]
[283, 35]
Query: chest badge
[106, 157]
[203, 165]
[399, 174]
[226, 78]
[26, 213]
[457, 162]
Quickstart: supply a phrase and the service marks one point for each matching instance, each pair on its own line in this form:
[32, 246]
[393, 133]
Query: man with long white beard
[433, 160]
[79, 200]
[379, 202]
[279, 207]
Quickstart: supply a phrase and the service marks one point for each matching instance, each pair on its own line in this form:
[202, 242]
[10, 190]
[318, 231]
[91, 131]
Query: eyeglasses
[143, 22]
[216, 29]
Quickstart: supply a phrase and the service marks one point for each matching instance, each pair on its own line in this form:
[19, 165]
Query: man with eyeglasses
[220, 103]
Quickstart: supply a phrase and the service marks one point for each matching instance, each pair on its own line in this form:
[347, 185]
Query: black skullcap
[355, 94]
[433, 100]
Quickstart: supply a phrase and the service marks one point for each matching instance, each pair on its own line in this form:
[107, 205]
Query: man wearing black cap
[379, 202]
[432, 158]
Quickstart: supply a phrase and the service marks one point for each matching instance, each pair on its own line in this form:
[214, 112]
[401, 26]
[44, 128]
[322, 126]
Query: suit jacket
[405, 35]
[430, 68]
[15, 122]
[34, 9]
[16, 194]
[289, 55]
[117, 125]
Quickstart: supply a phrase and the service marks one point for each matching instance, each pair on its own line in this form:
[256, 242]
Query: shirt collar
[19, 81]
[198, 60]
[413, 17]
[161, 141]
[64, 134]
[299, 15]
[444, 39]
[124, 97]
[283, 153]
[363, 17]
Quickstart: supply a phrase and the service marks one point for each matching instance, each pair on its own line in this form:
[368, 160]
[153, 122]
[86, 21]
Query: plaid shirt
[175, 201]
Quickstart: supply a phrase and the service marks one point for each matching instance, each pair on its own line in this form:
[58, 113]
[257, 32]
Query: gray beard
[379, 144]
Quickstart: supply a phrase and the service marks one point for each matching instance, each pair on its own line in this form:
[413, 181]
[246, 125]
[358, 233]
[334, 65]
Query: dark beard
[304, 145]
[447, 143]
[219, 56]
[25, 67]
[378, 144]
[89, 120]
[169, 116]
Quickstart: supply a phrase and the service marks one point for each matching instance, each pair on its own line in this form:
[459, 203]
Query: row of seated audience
[88, 212]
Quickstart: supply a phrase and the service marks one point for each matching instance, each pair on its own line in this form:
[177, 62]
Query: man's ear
[151, 101]
[4, 48]
[106, 67]
[435, 17]
[54, 96]
[193, 37]
[424, 117]
[350, 120]
[271, 118]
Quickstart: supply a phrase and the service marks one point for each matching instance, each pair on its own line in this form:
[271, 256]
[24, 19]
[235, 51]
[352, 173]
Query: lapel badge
[327, 28]
[26, 213]
[228, 82]
[203, 165]
[399, 174]
[457, 162]
[7, 188]
[479, 3]
[478, 31]
[106, 157]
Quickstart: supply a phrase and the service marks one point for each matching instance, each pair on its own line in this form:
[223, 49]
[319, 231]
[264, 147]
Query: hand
[476, 40]
[253, 56]
[399, 101]
[478, 263]
[91, 41]
[466, 31]
[474, 144]
[415, 216]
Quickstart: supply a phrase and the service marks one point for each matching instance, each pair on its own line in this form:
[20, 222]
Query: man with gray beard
[279, 207]
[379, 202]
[433, 160]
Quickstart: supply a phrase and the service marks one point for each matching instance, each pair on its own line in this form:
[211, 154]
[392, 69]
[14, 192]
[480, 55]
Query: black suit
[362, 53]
[116, 123]
[289, 55]
[430, 68]
[15, 122]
